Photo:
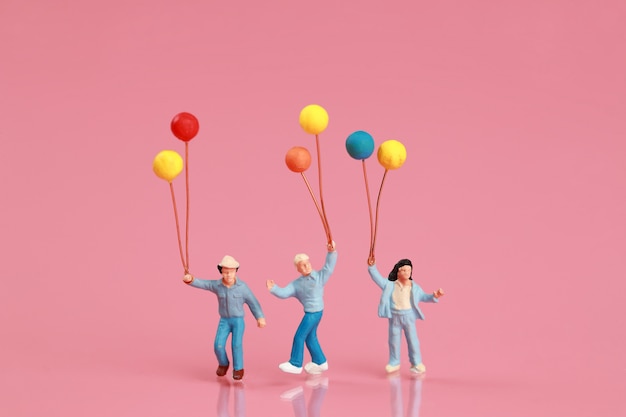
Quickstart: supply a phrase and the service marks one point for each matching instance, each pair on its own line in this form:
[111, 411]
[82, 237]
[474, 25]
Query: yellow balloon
[391, 154]
[167, 165]
[313, 119]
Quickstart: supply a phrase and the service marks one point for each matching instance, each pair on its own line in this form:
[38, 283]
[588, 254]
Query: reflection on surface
[415, 396]
[239, 399]
[318, 385]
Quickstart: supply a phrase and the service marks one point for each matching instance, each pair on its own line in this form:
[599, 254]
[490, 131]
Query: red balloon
[298, 159]
[185, 126]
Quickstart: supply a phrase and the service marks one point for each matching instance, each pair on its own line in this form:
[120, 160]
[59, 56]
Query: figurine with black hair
[232, 293]
[399, 304]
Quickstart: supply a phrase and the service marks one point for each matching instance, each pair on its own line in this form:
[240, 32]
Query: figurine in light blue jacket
[399, 304]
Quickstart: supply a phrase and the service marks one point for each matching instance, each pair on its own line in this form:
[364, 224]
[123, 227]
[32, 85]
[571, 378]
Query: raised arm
[375, 275]
[205, 284]
[329, 264]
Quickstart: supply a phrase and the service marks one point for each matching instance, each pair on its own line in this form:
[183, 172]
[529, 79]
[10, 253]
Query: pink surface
[512, 199]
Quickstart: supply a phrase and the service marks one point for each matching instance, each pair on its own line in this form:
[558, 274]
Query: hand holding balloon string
[391, 155]
[314, 120]
[168, 165]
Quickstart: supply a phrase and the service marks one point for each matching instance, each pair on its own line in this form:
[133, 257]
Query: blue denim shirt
[309, 290]
[231, 300]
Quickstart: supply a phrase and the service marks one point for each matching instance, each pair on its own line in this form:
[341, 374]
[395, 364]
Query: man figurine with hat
[231, 293]
[399, 304]
[309, 290]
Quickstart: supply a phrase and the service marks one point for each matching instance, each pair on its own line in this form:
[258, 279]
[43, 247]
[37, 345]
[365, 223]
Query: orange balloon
[298, 159]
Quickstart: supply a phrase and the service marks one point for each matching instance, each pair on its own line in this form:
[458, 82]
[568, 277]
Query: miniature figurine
[231, 293]
[309, 290]
[399, 303]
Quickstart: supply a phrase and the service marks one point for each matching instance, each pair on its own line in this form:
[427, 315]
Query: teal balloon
[360, 145]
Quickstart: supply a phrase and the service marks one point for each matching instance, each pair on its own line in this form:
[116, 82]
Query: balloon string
[318, 208]
[377, 205]
[369, 206]
[180, 246]
[319, 171]
[187, 208]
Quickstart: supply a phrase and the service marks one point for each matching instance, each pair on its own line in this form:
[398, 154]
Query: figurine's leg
[413, 342]
[395, 333]
[297, 348]
[223, 329]
[312, 343]
[238, 326]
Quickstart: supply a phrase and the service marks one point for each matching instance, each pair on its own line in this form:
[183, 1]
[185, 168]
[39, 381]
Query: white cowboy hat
[228, 262]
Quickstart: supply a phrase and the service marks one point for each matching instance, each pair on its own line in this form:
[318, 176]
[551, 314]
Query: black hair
[393, 275]
[219, 268]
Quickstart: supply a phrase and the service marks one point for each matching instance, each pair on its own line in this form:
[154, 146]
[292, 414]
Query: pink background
[512, 199]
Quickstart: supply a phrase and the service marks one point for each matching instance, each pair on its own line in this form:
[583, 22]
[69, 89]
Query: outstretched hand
[188, 278]
[270, 284]
[438, 293]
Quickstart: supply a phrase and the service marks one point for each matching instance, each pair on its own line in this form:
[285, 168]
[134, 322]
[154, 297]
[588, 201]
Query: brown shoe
[238, 374]
[221, 370]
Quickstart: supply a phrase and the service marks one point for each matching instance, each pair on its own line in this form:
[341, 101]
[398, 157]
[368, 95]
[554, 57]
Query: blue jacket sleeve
[329, 266]
[426, 298]
[253, 304]
[204, 284]
[284, 292]
[378, 279]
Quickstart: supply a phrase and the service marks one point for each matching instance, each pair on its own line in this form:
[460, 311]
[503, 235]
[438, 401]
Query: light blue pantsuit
[401, 320]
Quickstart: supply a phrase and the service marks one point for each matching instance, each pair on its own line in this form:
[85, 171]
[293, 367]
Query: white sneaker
[392, 368]
[313, 368]
[418, 369]
[289, 368]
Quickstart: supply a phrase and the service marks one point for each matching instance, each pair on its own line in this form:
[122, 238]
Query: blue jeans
[227, 325]
[307, 333]
[403, 320]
